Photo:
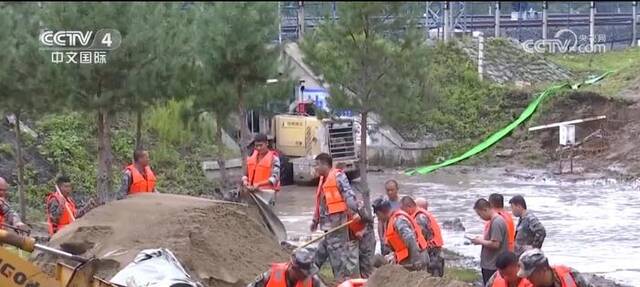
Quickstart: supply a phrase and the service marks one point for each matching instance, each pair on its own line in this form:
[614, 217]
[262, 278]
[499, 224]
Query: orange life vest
[356, 227]
[564, 273]
[278, 277]
[332, 196]
[511, 231]
[141, 183]
[393, 238]
[1, 215]
[436, 241]
[68, 214]
[261, 171]
[354, 283]
[498, 281]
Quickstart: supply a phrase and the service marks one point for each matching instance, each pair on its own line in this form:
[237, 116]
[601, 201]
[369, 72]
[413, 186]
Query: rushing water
[593, 226]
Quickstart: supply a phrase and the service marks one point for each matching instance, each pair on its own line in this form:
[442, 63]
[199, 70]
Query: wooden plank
[553, 125]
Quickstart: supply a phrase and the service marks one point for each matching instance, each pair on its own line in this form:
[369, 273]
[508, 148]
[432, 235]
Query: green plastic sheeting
[496, 137]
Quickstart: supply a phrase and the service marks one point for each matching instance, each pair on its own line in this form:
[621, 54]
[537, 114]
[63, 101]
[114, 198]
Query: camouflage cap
[303, 259]
[530, 260]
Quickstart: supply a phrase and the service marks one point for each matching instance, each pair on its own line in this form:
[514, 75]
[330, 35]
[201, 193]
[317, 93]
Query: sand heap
[395, 275]
[220, 244]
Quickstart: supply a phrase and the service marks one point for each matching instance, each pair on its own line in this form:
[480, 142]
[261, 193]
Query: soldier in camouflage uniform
[436, 264]
[417, 259]
[6, 212]
[529, 232]
[534, 266]
[55, 209]
[335, 247]
[301, 269]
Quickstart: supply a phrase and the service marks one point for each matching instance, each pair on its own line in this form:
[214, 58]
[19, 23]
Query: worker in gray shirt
[494, 241]
[530, 233]
[336, 204]
[391, 187]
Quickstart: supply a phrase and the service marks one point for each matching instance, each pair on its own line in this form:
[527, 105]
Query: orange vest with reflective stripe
[354, 283]
[332, 196]
[436, 241]
[393, 238]
[68, 214]
[498, 281]
[511, 230]
[261, 171]
[564, 273]
[138, 182]
[278, 277]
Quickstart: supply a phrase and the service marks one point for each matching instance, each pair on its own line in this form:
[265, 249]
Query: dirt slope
[220, 244]
[614, 154]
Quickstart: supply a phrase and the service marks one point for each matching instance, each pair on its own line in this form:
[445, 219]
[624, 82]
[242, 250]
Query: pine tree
[29, 82]
[132, 71]
[366, 56]
[236, 51]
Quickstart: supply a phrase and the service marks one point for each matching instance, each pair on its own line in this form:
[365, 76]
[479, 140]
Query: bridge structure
[607, 22]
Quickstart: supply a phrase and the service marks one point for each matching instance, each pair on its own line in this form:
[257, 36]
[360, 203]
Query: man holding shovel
[336, 207]
[263, 170]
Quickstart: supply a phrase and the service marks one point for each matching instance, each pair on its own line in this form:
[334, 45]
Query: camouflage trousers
[341, 253]
[436, 262]
[366, 251]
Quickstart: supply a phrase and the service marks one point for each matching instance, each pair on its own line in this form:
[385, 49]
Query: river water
[592, 225]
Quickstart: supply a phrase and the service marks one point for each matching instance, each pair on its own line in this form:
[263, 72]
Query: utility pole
[426, 19]
[300, 19]
[634, 22]
[333, 11]
[279, 23]
[446, 21]
[592, 24]
[497, 24]
[545, 19]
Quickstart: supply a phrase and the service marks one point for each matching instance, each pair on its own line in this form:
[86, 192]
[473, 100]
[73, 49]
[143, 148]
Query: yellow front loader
[16, 271]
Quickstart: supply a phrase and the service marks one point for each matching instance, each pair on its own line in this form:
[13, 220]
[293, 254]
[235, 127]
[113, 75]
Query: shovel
[312, 241]
[270, 218]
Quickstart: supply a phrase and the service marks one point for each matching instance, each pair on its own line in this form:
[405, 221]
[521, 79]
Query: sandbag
[154, 268]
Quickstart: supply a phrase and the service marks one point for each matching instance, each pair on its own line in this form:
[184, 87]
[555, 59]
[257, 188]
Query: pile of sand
[395, 275]
[221, 244]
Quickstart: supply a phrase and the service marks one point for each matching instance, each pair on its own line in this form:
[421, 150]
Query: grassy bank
[626, 64]
[66, 144]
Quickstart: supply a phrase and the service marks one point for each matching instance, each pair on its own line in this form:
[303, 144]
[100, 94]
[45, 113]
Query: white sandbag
[154, 268]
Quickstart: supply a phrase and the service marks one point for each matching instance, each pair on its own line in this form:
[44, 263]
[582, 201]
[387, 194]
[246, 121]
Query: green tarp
[496, 137]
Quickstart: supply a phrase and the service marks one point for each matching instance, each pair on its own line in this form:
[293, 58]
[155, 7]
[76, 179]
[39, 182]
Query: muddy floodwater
[592, 225]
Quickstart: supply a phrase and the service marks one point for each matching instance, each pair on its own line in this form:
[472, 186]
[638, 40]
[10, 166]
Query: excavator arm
[15, 271]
